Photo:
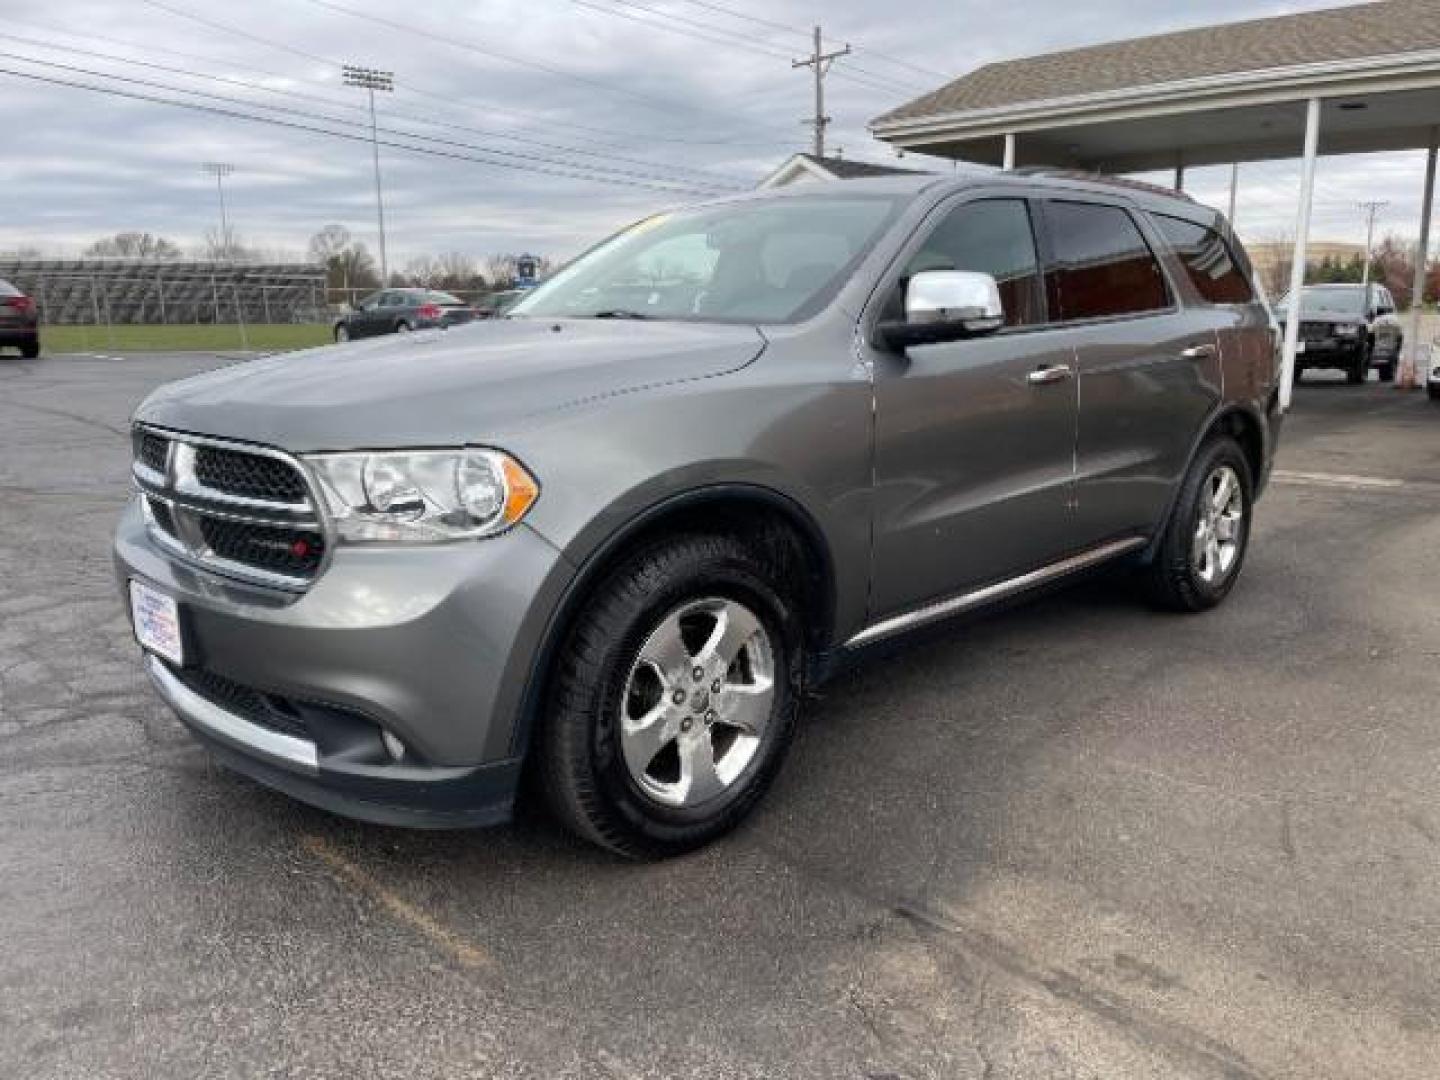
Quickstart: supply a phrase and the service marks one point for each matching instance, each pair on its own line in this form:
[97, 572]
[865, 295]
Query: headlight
[1346, 330]
[423, 496]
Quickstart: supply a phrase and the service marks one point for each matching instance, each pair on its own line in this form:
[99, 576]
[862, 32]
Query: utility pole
[371, 80]
[820, 62]
[220, 170]
[1370, 209]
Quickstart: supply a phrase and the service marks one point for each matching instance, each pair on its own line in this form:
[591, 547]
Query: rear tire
[663, 787]
[1434, 391]
[403, 327]
[342, 334]
[1203, 547]
[30, 350]
[1359, 368]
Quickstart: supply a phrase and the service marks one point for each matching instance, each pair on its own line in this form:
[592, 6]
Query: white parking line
[1342, 480]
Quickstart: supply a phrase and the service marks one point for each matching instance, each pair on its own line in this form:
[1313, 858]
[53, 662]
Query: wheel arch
[1241, 422]
[761, 513]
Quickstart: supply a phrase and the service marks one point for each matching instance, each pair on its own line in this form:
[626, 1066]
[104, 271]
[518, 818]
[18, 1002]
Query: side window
[1102, 265]
[991, 236]
[1208, 260]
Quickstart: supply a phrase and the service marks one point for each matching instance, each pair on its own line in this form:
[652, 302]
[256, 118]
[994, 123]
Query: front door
[974, 439]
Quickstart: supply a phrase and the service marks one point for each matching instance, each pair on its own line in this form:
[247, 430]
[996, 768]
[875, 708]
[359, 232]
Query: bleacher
[97, 291]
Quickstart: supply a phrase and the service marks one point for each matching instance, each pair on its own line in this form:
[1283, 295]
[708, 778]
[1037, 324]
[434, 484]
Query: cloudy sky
[549, 122]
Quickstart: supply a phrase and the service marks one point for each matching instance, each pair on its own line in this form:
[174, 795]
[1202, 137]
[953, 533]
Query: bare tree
[135, 245]
[457, 271]
[225, 247]
[329, 242]
[423, 272]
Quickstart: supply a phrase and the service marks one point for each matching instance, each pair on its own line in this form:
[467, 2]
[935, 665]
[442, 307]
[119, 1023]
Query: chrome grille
[1314, 331]
[153, 451]
[248, 475]
[239, 510]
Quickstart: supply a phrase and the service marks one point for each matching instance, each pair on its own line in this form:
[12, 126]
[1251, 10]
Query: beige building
[1272, 259]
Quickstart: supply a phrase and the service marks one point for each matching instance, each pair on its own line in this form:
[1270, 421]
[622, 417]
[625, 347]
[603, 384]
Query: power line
[793, 29]
[709, 32]
[352, 107]
[230, 29]
[694, 186]
[240, 114]
[470, 46]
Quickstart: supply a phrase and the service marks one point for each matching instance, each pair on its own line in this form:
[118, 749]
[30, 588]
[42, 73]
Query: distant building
[808, 169]
[1271, 259]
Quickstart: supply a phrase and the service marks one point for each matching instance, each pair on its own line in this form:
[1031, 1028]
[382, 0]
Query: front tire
[342, 334]
[403, 327]
[1203, 547]
[1360, 367]
[675, 697]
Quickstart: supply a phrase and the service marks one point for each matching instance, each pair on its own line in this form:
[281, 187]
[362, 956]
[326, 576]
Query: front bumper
[431, 645]
[1328, 352]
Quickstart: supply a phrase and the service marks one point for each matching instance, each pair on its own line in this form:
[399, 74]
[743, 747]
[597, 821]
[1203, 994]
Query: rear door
[1149, 370]
[1207, 261]
[974, 439]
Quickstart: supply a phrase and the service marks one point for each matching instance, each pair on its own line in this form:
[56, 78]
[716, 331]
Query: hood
[1321, 311]
[443, 387]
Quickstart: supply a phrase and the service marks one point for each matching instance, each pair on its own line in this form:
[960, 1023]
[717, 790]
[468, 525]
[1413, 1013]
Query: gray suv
[607, 542]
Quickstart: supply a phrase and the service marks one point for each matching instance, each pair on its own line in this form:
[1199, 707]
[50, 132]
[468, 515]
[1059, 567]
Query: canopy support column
[1411, 374]
[1009, 161]
[1302, 240]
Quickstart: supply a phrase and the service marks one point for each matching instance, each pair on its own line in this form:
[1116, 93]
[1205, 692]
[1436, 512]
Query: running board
[1000, 590]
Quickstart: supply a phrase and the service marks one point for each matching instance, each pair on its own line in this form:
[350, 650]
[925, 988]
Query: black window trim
[1200, 300]
[1048, 257]
[890, 276]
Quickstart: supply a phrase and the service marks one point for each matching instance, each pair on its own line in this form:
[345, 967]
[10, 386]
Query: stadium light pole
[371, 80]
[220, 170]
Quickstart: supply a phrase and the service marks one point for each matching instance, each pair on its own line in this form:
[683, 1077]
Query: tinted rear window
[1208, 260]
[1101, 265]
[433, 297]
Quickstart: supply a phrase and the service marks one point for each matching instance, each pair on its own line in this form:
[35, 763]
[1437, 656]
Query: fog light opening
[393, 746]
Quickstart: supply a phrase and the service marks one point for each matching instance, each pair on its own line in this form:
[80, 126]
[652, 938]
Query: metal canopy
[1353, 124]
[1278, 101]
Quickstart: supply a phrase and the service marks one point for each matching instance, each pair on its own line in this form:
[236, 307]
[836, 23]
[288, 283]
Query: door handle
[1052, 374]
[1198, 352]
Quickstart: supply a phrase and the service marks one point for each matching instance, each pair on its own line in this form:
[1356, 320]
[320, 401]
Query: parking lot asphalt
[1076, 839]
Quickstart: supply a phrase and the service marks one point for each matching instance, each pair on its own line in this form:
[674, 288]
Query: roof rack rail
[1098, 178]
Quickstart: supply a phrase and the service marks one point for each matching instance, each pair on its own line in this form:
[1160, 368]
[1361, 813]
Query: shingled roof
[1334, 35]
[845, 169]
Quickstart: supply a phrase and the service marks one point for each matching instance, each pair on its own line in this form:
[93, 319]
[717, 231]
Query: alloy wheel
[697, 701]
[1219, 526]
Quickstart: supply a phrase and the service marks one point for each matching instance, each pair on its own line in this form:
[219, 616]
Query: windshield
[1348, 300]
[771, 261]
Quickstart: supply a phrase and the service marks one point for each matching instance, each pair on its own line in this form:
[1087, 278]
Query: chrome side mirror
[946, 305]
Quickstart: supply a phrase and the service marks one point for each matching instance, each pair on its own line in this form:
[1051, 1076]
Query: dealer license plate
[157, 622]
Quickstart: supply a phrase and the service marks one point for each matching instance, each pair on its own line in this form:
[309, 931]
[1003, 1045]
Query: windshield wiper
[619, 313]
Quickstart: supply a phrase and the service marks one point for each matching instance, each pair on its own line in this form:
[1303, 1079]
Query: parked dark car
[398, 311]
[497, 304]
[610, 540]
[1351, 328]
[19, 321]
